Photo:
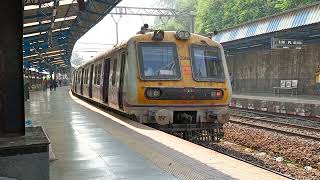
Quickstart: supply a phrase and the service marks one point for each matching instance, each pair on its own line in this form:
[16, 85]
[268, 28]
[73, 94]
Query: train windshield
[207, 63]
[159, 61]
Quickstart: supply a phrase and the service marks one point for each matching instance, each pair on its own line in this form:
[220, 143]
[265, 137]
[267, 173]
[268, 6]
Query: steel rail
[275, 130]
[264, 119]
[278, 115]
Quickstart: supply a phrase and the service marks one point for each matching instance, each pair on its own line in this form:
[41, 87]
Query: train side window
[98, 73]
[88, 74]
[82, 75]
[95, 74]
[85, 76]
[114, 70]
[79, 77]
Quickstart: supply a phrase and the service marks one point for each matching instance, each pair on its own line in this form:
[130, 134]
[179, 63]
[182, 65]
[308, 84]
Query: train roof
[168, 36]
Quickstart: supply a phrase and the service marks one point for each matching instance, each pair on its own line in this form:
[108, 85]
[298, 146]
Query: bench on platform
[287, 85]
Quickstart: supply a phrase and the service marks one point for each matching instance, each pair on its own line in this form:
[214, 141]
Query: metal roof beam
[34, 2]
[120, 10]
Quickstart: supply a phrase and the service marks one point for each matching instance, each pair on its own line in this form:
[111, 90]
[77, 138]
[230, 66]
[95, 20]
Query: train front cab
[172, 88]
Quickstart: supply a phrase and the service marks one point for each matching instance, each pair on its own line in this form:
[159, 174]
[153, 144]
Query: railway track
[272, 123]
[311, 122]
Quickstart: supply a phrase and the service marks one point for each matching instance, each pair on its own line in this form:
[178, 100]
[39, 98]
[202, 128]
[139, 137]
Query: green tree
[183, 22]
[220, 14]
[289, 4]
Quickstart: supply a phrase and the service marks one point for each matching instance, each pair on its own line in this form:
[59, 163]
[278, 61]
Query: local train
[175, 81]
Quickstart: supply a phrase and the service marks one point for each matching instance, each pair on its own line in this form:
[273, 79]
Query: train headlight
[183, 35]
[153, 93]
[217, 94]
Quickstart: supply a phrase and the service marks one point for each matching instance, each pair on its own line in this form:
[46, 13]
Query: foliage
[182, 22]
[220, 14]
[76, 59]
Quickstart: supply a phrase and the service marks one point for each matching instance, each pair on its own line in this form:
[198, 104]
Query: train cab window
[159, 61]
[206, 63]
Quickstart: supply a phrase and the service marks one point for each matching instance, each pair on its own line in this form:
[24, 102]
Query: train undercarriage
[186, 125]
[198, 132]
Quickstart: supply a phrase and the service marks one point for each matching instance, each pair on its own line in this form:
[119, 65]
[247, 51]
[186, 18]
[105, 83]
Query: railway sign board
[277, 43]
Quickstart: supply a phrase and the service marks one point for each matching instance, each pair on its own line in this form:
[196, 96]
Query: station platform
[93, 144]
[301, 105]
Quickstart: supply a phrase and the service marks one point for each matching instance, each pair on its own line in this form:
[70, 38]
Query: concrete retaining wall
[299, 109]
[260, 71]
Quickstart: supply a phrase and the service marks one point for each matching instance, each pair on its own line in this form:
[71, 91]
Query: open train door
[105, 87]
[121, 79]
[90, 80]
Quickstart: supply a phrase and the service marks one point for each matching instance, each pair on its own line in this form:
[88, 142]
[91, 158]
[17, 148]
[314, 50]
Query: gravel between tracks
[297, 152]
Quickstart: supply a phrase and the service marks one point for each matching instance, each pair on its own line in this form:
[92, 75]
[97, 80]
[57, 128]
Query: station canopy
[301, 23]
[51, 28]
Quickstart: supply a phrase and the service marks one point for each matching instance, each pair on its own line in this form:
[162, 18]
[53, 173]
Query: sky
[104, 33]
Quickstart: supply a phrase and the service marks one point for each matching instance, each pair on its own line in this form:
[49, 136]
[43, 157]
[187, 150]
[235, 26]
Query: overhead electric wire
[96, 43]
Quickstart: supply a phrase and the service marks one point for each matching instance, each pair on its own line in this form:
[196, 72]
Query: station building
[284, 46]
[274, 62]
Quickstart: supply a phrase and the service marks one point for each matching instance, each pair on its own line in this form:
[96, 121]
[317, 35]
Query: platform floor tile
[84, 150]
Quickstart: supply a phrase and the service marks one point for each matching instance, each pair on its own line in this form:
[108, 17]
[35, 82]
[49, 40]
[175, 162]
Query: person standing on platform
[26, 88]
[55, 84]
[44, 84]
[51, 83]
